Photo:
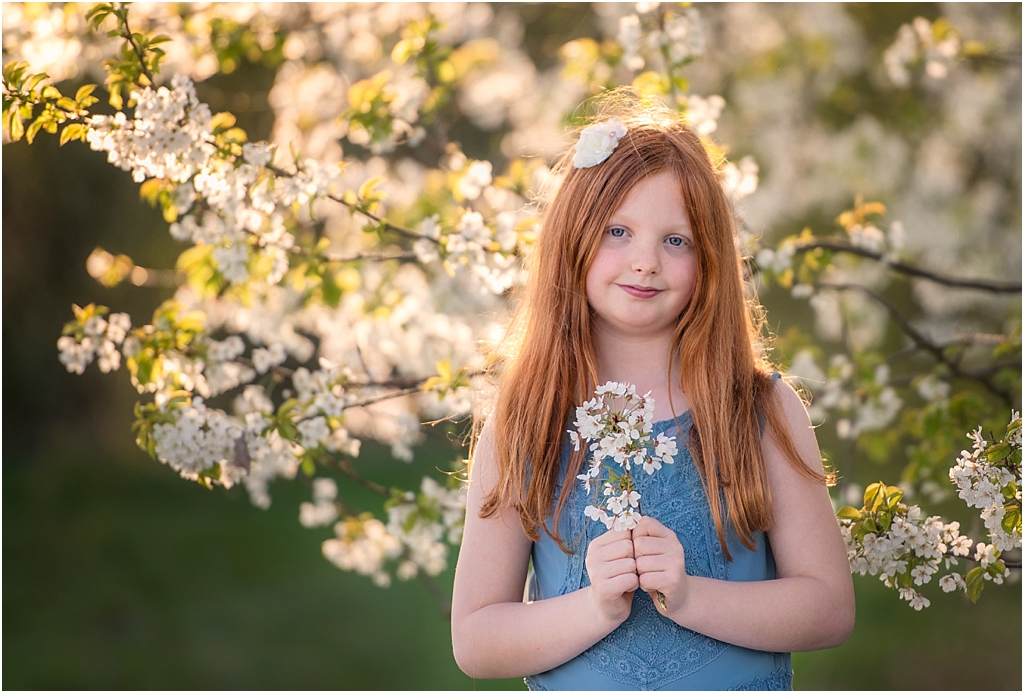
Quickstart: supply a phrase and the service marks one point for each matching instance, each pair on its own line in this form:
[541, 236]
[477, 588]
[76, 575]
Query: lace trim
[533, 685]
[778, 680]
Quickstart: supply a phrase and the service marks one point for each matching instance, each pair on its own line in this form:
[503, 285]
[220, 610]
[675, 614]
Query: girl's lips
[639, 291]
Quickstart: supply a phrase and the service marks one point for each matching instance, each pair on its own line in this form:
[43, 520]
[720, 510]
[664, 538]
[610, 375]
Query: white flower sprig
[617, 423]
[597, 142]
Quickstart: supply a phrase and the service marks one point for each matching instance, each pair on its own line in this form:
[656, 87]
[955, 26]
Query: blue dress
[648, 651]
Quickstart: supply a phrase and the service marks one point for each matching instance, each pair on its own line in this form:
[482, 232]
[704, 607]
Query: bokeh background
[117, 574]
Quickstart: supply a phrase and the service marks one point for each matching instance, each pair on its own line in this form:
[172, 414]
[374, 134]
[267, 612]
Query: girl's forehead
[657, 193]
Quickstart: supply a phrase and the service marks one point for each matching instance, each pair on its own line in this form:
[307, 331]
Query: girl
[637, 279]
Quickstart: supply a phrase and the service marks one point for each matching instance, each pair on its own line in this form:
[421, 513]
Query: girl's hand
[660, 564]
[613, 576]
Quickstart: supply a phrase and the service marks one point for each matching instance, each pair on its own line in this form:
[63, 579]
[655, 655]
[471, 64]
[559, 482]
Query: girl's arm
[809, 606]
[496, 635]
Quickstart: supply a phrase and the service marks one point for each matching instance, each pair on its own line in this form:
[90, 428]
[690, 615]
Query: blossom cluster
[909, 553]
[679, 36]
[197, 439]
[862, 397]
[990, 482]
[172, 137]
[488, 253]
[97, 338]
[323, 510]
[918, 41]
[418, 531]
[618, 423]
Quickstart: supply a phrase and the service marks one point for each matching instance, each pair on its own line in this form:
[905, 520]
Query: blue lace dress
[648, 651]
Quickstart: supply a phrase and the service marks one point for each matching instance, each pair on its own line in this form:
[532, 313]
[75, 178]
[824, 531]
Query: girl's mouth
[639, 291]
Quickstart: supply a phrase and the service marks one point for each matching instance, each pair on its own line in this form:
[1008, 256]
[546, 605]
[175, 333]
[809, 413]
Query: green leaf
[366, 191]
[34, 81]
[287, 406]
[73, 131]
[33, 129]
[330, 290]
[871, 493]
[975, 583]
[222, 121]
[287, 430]
[17, 127]
[84, 91]
[1011, 520]
[308, 466]
[848, 512]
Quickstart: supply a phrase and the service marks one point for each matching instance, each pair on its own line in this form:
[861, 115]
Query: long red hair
[715, 354]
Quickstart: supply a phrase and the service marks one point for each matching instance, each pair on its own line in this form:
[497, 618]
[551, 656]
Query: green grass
[119, 575]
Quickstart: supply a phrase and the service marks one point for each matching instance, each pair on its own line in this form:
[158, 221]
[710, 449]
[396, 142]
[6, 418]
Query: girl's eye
[616, 232]
[676, 241]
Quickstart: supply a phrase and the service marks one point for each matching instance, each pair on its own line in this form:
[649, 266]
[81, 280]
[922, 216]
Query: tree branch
[346, 468]
[842, 247]
[922, 342]
[127, 34]
[276, 170]
[375, 257]
[443, 600]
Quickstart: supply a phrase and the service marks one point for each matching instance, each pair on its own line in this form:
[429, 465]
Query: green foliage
[139, 57]
[446, 379]
[24, 91]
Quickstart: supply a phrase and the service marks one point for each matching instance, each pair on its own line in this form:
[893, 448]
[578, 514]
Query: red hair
[715, 352]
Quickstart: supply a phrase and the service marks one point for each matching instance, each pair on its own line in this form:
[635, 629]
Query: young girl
[637, 279]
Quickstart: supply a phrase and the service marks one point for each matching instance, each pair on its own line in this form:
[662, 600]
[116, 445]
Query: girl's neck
[643, 362]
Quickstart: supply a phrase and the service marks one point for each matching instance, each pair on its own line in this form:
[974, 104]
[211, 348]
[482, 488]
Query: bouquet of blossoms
[617, 423]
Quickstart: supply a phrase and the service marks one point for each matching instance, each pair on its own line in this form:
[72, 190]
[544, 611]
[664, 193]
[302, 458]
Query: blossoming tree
[350, 278]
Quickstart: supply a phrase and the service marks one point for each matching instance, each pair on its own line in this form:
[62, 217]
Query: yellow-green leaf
[366, 189]
[84, 91]
[222, 121]
[848, 512]
[975, 583]
[73, 131]
[17, 127]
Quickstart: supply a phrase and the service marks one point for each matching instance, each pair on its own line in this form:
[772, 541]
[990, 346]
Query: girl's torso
[648, 651]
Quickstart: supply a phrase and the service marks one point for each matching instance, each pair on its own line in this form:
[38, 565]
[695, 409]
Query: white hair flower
[597, 142]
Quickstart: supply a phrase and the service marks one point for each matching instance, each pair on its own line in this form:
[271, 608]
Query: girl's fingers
[652, 545]
[648, 526]
[612, 536]
[627, 582]
[657, 581]
[606, 569]
[649, 564]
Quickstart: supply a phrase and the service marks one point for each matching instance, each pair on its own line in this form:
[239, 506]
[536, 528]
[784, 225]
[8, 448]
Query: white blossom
[597, 142]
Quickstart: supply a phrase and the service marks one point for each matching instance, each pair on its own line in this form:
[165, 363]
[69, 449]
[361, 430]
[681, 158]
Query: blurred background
[117, 574]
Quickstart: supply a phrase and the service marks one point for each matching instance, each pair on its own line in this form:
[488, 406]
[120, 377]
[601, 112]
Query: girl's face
[643, 274]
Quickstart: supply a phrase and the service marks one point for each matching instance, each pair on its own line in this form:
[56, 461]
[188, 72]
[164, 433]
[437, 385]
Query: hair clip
[597, 142]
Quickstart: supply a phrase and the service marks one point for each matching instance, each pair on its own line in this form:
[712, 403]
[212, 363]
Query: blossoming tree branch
[325, 297]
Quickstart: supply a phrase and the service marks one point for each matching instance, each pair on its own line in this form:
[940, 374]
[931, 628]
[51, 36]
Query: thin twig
[375, 257]
[383, 396]
[938, 351]
[384, 223]
[443, 600]
[346, 468]
[131, 39]
[841, 247]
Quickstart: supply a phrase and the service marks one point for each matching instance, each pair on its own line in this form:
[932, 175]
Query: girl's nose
[645, 260]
